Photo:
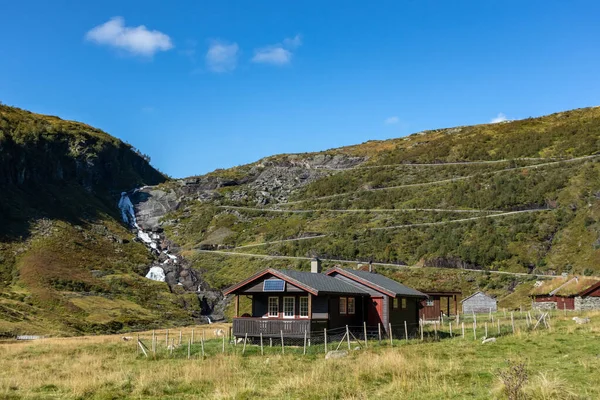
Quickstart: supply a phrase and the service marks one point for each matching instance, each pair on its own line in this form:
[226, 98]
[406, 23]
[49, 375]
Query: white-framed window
[342, 305]
[395, 302]
[289, 304]
[404, 303]
[273, 308]
[351, 305]
[429, 303]
[304, 307]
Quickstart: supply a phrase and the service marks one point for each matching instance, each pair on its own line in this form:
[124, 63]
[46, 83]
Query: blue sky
[213, 84]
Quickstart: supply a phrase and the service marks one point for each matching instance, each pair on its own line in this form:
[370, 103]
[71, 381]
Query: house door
[374, 311]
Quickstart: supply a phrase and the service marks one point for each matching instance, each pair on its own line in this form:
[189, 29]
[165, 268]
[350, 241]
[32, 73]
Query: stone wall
[546, 305]
[587, 303]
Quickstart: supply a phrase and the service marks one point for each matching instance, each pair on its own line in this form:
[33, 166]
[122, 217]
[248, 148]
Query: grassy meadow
[560, 363]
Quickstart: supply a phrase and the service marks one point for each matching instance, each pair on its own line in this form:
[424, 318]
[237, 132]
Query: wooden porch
[271, 327]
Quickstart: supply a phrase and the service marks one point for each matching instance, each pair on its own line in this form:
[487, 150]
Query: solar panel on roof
[273, 285]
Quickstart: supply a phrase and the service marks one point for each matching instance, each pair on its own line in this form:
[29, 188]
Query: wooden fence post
[153, 341]
[245, 339]
[167, 339]
[282, 345]
[223, 346]
[365, 331]
[474, 331]
[391, 338]
[379, 331]
[450, 324]
[406, 330]
[304, 342]
[457, 317]
[463, 330]
[486, 331]
[512, 322]
[180, 336]
[325, 338]
[421, 327]
[189, 348]
[498, 320]
[137, 348]
[435, 335]
[202, 346]
[172, 345]
[348, 336]
[262, 352]
[192, 336]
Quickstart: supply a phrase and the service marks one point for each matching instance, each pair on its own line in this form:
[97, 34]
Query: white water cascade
[150, 239]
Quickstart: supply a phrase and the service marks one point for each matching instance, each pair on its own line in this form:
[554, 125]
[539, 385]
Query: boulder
[581, 321]
[333, 354]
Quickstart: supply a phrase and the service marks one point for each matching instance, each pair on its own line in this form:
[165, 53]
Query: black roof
[322, 283]
[380, 281]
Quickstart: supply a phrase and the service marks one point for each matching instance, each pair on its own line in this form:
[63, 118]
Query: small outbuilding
[567, 293]
[479, 302]
[438, 304]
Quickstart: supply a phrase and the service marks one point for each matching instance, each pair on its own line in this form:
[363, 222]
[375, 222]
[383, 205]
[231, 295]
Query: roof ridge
[552, 293]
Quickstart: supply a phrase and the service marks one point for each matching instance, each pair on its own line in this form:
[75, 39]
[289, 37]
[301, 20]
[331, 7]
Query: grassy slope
[561, 364]
[567, 238]
[67, 265]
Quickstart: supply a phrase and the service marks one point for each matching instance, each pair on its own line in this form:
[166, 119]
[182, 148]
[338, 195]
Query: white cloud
[499, 118]
[135, 40]
[294, 42]
[391, 120]
[221, 56]
[275, 55]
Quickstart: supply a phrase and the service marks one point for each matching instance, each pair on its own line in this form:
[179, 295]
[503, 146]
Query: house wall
[479, 303]
[260, 304]
[434, 311]
[587, 303]
[553, 303]
[336, 320]
[410, 314]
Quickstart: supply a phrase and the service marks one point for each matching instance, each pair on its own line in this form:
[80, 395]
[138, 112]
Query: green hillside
[521, 196]
[453, 204]
[67, 264]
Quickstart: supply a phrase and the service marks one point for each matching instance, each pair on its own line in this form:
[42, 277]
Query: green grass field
[560, 363]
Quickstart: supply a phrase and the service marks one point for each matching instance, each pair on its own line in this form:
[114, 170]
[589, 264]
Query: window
[273, 307]
[351, 305]
[288, 307]
[429, 303]
[304, 307]
[342, 306]
[403, 303]
[395, 302]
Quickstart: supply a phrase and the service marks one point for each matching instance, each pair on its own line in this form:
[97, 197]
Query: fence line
[350, 338]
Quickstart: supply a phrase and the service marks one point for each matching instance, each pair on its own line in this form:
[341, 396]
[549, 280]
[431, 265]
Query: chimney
[315, 266]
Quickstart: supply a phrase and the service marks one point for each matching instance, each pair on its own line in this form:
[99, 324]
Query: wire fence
[204, 343]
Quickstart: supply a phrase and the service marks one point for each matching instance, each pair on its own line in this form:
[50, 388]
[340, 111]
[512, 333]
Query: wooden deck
[271, 327]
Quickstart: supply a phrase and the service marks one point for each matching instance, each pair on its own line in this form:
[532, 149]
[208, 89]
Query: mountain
[67, 263]
[441, 209]
[520, 196]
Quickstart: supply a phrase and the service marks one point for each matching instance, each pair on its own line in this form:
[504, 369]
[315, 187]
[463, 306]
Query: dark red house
[388, 302]
[293, 302]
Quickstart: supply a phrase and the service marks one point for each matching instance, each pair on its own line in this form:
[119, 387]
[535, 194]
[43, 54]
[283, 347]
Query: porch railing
[270, 327]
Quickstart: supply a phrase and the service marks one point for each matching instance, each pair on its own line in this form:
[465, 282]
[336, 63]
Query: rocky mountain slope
[455, 205]
[67, 263]
[520, 196]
